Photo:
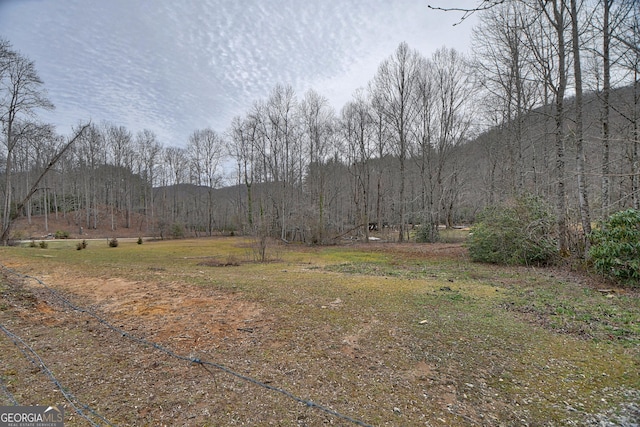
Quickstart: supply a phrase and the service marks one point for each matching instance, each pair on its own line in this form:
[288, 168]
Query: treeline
[547, 105]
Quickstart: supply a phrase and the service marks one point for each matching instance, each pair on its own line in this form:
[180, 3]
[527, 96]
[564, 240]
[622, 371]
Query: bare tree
[148, 152]
[243, 149]
[175, 166]
[423, 151]
[21, 95]
[37, 144]
[634, 37]
[280, 151]
[91, 154]
[606, 109]
[395, 85]
[623, 25]
[358, 132]
[502, 64]
[453, 98]
[205, 148]
[317, 122]
[547, 40]
[382, 138]
[583, 194]
[119, 185]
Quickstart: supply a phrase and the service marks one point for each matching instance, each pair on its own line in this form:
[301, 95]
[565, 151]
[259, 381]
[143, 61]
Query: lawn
[378, 334]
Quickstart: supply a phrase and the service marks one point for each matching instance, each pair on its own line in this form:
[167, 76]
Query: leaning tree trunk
[6, 228]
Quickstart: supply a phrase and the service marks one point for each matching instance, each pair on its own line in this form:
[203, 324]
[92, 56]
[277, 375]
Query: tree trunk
[561, 202]
[606, 89]
[583, 196]
[635, 162]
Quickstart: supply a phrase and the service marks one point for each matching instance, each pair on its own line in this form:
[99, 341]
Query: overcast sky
[174, 66]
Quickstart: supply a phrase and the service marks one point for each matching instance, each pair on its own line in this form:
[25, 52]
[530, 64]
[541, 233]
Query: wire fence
[192, 360]
[6, 391]
[37, 361]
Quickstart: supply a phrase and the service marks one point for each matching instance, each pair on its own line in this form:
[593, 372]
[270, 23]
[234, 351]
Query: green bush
[62, 234]
[521, 232]
[44, 245]
[139, 240]
[615, 247]
[427, 234]
[177, 231]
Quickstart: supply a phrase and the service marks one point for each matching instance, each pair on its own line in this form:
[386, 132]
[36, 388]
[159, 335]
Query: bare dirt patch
[187, 318]
[124, 381]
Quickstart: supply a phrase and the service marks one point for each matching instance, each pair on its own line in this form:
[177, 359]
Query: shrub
[518, 233]
[33, 244]
[44, 245]
[615, 249]
[139, 240]
[62, 234]
[82, 245]
[177, 231]
[427, 233]
[113, 243]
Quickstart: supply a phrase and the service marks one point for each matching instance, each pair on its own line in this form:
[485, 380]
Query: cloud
[174, 67]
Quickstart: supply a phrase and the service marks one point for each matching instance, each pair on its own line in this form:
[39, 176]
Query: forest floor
[195, 332]
[38, 228]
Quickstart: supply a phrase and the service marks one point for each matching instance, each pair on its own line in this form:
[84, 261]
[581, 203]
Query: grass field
[386, 334]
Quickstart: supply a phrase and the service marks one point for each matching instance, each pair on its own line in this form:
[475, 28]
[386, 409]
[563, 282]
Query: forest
[546, 105]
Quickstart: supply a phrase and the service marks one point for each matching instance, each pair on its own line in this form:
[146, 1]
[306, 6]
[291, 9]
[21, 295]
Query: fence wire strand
[193, 360]
[8, 393]
[36, 360]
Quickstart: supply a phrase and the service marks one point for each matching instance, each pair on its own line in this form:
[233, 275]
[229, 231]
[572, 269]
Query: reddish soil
[37, 227]
[106, 371]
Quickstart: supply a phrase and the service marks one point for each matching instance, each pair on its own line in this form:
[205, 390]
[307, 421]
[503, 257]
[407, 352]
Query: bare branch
[467, 12]
[627, 43]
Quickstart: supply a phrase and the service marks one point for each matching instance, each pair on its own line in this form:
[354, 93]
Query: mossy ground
[389, 334]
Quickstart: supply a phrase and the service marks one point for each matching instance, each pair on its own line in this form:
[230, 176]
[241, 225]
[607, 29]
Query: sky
[174, 66]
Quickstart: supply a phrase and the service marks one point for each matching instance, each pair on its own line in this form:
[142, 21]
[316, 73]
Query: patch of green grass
[404, 268]
[368, 268]
[454, 235]
[572, 308]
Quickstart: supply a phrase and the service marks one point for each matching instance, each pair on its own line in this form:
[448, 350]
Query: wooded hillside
[547, 105]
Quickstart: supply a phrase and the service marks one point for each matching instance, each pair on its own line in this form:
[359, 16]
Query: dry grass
[385, 333]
